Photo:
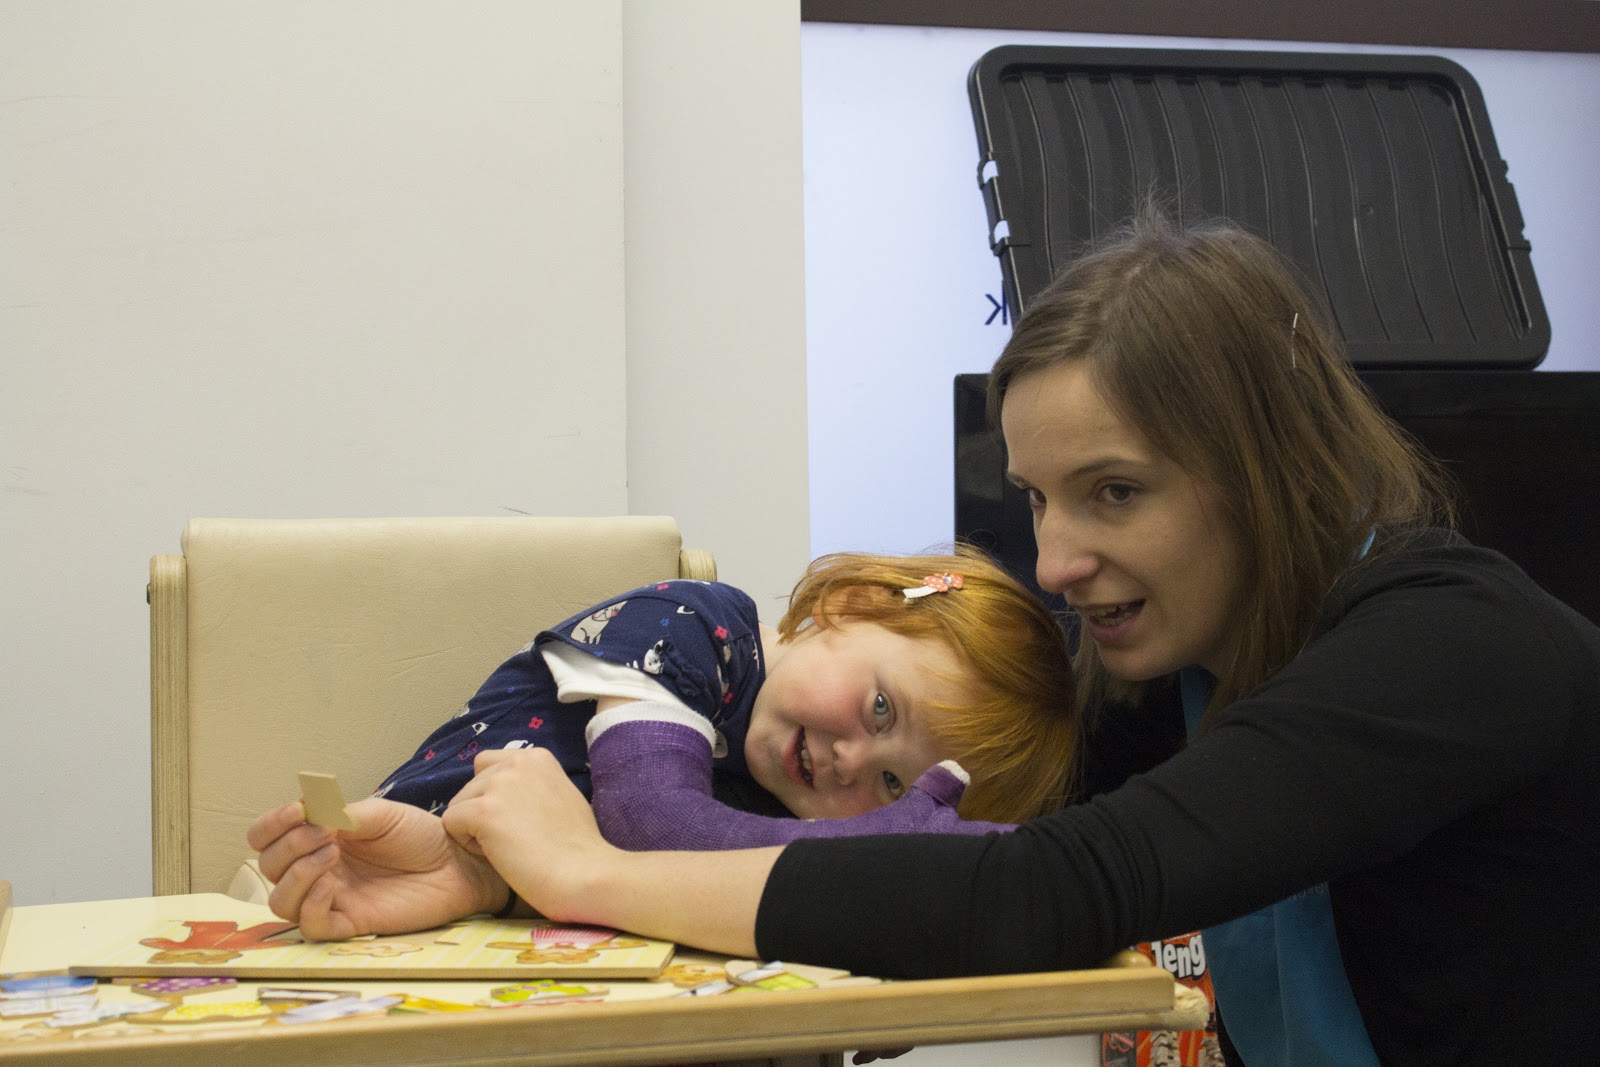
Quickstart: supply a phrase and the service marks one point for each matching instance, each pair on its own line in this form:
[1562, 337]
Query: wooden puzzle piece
[546, 991]
[750, 972]
[42, 984]
[323, 801]
[783, 980]
[179, 986]
[412, 1005]
[773, 976]
[339, 1009]
[688, 975]
[22, 1007]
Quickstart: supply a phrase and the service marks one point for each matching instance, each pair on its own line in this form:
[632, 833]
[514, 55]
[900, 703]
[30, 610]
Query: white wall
[716, 276]
[899, 272]
[344, 257]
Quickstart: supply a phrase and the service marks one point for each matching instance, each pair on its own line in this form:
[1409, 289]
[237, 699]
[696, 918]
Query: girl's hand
[522, 813]
[397, 872]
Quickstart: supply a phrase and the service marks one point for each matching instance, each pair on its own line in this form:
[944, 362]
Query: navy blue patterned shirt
[701, 640]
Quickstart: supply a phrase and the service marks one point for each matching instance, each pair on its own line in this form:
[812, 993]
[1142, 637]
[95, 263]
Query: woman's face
[1132, 541]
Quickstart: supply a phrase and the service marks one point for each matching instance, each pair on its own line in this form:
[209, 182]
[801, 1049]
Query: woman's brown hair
[1202, 339]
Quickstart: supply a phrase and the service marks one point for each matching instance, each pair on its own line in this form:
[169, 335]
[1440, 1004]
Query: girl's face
[1131, 540]
[840, 726]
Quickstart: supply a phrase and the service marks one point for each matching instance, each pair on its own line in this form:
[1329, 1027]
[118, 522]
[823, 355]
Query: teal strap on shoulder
[1277, 973]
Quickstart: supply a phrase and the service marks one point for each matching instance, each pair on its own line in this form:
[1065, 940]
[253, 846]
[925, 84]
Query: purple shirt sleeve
[652, 790]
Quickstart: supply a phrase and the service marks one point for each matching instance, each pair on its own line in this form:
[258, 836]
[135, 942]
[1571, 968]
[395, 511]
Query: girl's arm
[652, 790]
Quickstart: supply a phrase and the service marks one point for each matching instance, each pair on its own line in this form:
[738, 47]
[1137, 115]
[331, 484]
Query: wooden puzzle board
[476, 949]
[641, 1021]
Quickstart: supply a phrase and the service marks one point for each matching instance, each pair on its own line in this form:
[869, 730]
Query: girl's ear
[805, 626]
[864, 601]
[827, 609]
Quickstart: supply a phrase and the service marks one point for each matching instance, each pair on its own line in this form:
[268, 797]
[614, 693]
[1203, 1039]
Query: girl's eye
[1035, 498]
[881, 712]
[892, 782]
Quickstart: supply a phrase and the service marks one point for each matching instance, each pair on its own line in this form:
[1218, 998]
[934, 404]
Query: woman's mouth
[1111, 621]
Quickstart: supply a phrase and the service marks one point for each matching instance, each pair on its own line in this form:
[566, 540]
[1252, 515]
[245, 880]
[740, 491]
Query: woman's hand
[397, 872]
[524, 815]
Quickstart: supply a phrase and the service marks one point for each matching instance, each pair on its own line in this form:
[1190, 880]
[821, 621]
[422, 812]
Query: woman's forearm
[522, 814]
[705, 899]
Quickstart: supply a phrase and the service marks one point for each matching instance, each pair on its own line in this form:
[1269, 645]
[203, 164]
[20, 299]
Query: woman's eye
[881, 712]
[1035, 498]
[892, 782]
[1118, 492]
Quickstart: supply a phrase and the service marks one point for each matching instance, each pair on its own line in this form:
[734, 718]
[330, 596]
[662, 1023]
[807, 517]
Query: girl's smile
[841, 724]
[797, 760]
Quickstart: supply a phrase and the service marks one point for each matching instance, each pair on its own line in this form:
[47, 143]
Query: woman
[1385, 813]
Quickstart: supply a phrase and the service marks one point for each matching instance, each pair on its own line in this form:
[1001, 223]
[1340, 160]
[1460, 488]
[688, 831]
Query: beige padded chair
[337, 645]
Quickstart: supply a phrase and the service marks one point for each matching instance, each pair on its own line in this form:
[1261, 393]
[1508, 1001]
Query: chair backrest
[337, 645]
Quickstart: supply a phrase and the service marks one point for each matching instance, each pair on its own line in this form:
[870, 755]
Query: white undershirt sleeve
[580, 676]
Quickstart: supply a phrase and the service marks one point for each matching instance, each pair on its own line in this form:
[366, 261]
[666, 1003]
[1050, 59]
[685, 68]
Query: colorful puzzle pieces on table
[44, 993]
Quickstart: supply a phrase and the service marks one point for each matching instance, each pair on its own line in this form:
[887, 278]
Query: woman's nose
[1064, 560]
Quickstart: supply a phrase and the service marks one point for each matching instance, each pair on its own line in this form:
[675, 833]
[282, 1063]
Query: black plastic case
[1377, 175]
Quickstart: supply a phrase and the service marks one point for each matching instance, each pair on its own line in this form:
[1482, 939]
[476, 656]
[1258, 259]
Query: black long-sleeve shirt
[1433, 754]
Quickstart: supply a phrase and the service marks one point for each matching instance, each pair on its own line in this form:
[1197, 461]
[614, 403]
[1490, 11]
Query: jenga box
[1185, 958]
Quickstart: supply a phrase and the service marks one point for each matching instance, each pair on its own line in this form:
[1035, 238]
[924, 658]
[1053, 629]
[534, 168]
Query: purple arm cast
[652, 790]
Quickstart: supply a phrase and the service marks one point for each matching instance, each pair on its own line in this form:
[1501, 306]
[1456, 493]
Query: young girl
[882, 668]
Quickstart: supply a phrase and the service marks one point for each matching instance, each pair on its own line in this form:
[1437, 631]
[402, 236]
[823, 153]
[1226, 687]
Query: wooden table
[649, 1027]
